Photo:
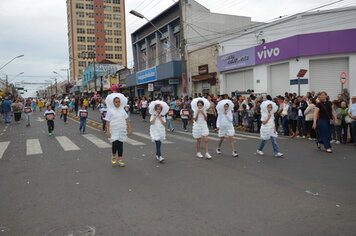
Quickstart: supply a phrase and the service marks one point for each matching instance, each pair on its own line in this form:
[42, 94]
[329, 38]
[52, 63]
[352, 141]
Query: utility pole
[7, 84]
[185, 81]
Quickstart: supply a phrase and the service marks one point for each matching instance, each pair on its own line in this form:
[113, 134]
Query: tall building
[95, 26]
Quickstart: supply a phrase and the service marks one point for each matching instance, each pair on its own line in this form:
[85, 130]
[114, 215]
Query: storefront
[205, 82]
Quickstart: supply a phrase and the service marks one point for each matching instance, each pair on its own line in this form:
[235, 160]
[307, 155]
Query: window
[80, 39]
[116, 17]
[118, 56]
[116, 9]
[117, 32]
[91, 39]
[90, 23]
[177, 39]
[117, 41]
[80, 31]
[89, 6]
[107, 8]
[108, 24]
[109, 56]
[91, 47]
[90, 31]
[90, 14]
[117, 25]
[108, 32]
[81, 47]
[80, 14]
[107, 1]
[79, 5]
[80, 22]
[116, 1]
[118, 48]
[107, 16]
[108, 48]
[80, 72]
[108, 40]
[82, 63]
[90, 0]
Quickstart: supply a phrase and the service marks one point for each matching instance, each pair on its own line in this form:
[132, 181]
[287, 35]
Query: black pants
[294, 125]
[143, 113]
[117, 147]
[17, 116]
[65, 117]
[185, 123]
[158, 148]
[104, 124]
[310, 130]
[211, 121]
[50, 124]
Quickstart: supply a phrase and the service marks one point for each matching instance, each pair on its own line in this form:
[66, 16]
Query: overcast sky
[38, 29]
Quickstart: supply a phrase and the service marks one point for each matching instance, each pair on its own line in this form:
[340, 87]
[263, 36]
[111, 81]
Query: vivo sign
[268, 53]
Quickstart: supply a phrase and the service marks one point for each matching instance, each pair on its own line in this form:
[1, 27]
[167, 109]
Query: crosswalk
[33, 145]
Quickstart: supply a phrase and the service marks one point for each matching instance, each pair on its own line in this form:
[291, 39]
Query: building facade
[96, 26]
[268, 58]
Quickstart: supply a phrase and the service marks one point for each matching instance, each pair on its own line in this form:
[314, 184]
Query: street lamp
[55, 83]
[11, 61]
[67, 73]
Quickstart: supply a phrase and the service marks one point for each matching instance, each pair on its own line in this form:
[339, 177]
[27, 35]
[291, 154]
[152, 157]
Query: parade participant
[200, 127]
[83, 115]
[17, 108]
[28, 112]
[323, 115]
[33, 105]
[184, 115]
[40, 104]
[103, 110]
[117, 125]
[225, 124]
[86, 103]
[158, 110]
[50, 116]
[268, 128]
[64, 112]
[143, 108]
[170, 115]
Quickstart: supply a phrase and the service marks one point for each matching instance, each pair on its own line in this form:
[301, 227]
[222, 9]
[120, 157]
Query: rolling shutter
[239, 81]
[279, 79]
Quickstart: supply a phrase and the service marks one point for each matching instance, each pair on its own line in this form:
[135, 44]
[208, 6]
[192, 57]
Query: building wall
[103, 19]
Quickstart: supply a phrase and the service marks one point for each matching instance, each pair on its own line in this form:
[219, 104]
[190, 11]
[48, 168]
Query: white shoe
[310, 139]
[234, 154]
[207, 156]
[260, 153]
[157, 158]
[337, 142]
[279, 155]
[218, 151]
[161, 159]
[303, 137]
[332, 141]
[199, 155]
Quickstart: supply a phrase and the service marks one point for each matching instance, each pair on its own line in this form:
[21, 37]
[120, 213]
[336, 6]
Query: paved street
[66, 185]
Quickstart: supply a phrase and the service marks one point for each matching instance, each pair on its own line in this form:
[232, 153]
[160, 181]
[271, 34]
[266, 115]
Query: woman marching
[268, 128]
[117, 125]
[225, 125]
[158, 110]
[323, 115]
[200, 127]
[28, 109]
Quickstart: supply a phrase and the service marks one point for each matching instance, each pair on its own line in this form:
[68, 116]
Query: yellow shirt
[86, 103]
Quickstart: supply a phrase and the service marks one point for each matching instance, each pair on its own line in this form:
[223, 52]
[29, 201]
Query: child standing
[28, 112]
[268, 129]
[184, 114]
[64, 112]
[103, 110]
[158, 110]
[117, 125]
[170, 115]
[200, 127]
[50, 116]
[83, 115]
[225, 124]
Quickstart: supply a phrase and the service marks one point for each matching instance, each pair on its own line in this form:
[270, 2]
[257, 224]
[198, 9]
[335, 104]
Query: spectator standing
[309, 114]
[352, 114]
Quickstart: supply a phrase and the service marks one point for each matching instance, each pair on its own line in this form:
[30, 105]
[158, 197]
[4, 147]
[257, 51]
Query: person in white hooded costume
[117, 125]
[268, 129]
[158, 110]
[225, 124]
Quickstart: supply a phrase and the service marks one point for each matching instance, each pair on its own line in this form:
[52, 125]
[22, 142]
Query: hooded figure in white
[200, 127]
[268, 130]
[157, 130]
[225, 118]
[117, 117]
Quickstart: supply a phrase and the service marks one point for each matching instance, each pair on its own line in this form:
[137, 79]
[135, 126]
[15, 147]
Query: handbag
[348, 119]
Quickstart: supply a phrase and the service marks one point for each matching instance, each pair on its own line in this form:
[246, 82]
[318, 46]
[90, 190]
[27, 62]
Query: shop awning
[211, 77]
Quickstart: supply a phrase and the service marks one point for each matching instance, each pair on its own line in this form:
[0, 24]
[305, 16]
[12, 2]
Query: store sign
[343, 78]
[173, 81]
[146, 76]
[203, 69]
[112, 68]
[150, 87]
[236, 60]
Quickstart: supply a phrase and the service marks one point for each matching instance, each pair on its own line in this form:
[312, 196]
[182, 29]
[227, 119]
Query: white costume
[157, 130]
[117, 117]
[200, 127]
[268, 130]
[224, 121]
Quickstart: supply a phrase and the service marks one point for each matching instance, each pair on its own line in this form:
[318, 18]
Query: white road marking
[33, 147]
[149, 137]
[134, 142]
[97, 141]
[210, 137]
[67, 144]
[235, 136]
[3, 147]
[180, 137]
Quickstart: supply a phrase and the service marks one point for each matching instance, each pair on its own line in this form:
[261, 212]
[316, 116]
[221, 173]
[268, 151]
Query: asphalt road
[78, 192]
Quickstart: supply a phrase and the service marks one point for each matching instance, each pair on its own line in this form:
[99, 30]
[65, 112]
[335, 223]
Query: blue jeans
[301, 126]
[7, 117]
[83, 123]
[274, 145]
[170, 124]
[158, 148]
[285, 126]
[324, 133]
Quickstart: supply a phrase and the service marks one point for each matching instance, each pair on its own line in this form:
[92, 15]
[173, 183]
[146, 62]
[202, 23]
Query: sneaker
[121, 162]
[337, 142]
[310, 139]
[218, 151]
[50, 134]
[172, 130]
[332, 141]
[161, 159]
[303, 137]
[279, 155]
[207, 156]
[113, 160]
[186, 130]
[169, 130]
[234, 154]
[199, 155]
[260, 153]
[157, 158]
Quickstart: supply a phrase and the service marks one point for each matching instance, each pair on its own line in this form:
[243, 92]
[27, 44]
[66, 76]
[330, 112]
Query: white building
[267, 58]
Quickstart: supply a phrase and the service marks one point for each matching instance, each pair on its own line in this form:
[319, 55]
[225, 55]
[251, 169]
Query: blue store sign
[146, 76]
